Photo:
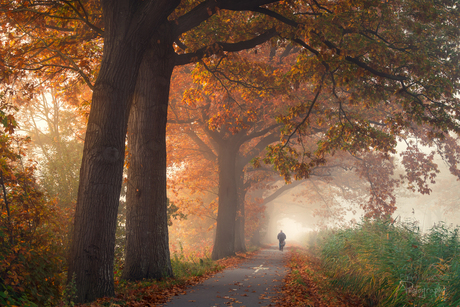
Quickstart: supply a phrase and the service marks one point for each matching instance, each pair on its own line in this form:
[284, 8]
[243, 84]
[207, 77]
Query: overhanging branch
[187, 58]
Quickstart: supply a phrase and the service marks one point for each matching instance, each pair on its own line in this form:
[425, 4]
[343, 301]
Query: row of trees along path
[397, 58]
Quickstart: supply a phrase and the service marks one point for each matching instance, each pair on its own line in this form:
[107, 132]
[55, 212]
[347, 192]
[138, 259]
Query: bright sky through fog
[293, 230]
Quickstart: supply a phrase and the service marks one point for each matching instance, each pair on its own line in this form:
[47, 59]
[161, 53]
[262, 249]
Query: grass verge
[306, 285]
[389, 264]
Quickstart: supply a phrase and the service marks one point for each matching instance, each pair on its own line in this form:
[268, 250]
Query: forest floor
[267, 277]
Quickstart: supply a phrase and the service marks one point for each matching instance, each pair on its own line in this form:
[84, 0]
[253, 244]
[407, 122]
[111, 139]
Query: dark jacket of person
[281, 236]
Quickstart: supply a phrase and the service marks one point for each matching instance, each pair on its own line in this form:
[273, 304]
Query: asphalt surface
[252, 283]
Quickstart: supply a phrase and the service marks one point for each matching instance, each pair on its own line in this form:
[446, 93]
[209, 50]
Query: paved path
[251, 284]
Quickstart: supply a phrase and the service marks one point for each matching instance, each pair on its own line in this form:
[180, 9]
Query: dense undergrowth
[393, 264]
[31, 256]
[33, 229]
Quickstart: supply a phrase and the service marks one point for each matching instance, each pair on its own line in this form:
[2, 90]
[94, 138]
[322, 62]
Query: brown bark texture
[100, 181]
[147, 245]
[127, 29]
[224, 244]
[240, 244]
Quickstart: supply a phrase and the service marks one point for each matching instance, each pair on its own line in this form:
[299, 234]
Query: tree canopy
[369, 71]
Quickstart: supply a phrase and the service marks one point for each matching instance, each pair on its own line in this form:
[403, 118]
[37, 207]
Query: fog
[298, 212]
[292, 228]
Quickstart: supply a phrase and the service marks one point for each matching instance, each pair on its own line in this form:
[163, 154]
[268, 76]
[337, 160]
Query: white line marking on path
[258, 268]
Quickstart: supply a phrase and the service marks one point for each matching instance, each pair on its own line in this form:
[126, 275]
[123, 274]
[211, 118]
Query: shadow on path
[252, 283]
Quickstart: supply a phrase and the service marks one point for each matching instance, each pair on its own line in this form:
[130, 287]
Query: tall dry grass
[393, 264]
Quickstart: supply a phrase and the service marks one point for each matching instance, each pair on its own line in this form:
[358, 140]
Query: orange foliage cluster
[31, 29]
[212, 103]
[254, 214]
[32, 229]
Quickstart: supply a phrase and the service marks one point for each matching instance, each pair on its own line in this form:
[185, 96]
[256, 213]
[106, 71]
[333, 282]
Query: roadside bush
[31, 236]
[30, 262]
[390, 264]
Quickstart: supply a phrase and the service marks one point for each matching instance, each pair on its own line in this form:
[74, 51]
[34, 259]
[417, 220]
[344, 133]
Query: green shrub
[31, 257]
[186, 265]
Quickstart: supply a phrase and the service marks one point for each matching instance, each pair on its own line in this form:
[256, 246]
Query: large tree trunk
[127, 29]
[240, 244]
[224, 244]
[147, 247]
[92, 250]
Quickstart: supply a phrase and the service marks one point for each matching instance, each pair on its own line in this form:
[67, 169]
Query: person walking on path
[282, 238]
